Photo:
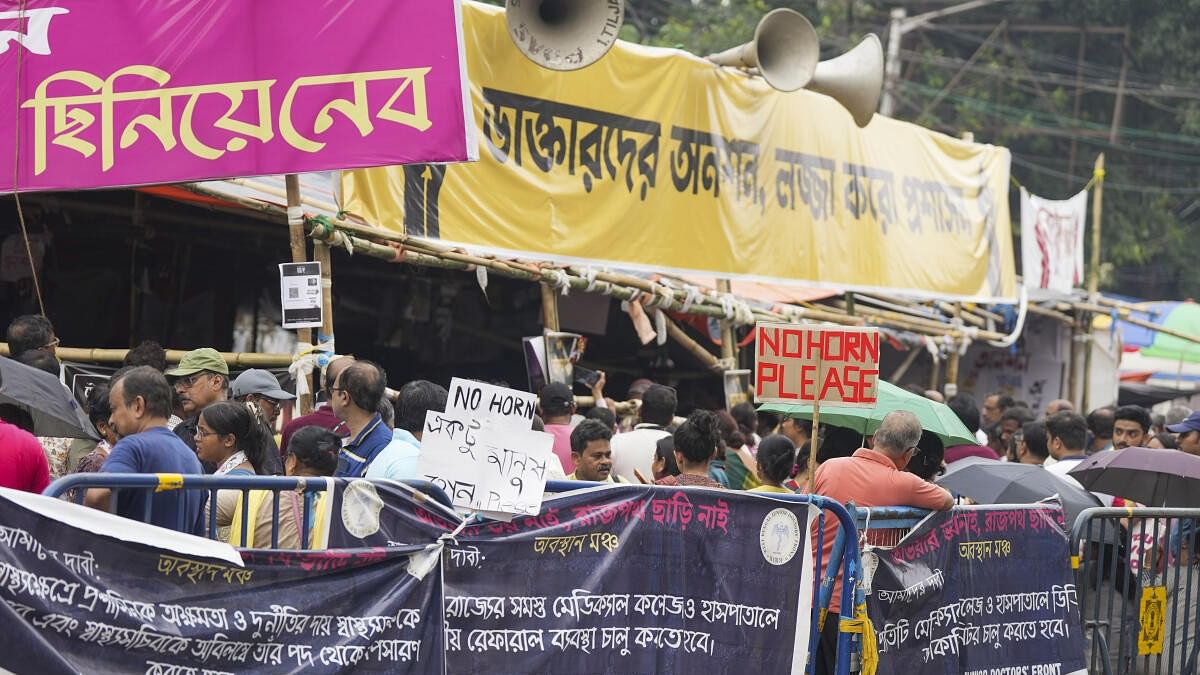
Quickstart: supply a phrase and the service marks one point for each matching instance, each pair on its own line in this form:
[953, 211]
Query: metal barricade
[1138, 581]
[849, 647]
[75, 486]
[887, 525]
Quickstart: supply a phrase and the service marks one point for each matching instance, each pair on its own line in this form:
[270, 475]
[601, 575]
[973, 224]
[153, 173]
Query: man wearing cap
[200, 379]
[557, 404]
[1189, 433]
[261, 388]
[322, 416]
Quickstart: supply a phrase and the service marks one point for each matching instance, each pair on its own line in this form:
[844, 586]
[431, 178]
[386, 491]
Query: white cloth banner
[1052, 241]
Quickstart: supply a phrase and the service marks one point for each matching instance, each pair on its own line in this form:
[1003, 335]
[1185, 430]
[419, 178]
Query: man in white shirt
[634, 450]
[1066, 436]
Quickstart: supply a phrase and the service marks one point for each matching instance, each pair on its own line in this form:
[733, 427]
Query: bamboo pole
[1053, 314]
[913, 353]
[952, 362]
[1093, 277]
[549, 308]
[728, 343]
[321, 254]
[621, 286]
[282, 194]
[623, 407]
[1072, 376]
[1126, 315]
[694, 348]
[102, 355]
[295, 216]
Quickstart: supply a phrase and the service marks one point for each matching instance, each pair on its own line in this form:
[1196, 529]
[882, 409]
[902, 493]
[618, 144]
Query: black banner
[631, 579]
[93, 597]
[977, 591]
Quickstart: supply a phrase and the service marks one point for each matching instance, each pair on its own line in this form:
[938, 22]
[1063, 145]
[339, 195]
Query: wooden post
[299, 254]
[728, 343]
[1093, 280]
[952, 360]
[694, 348]
[814, 443]
[321, 254]
[549, 308]
[1097, 208]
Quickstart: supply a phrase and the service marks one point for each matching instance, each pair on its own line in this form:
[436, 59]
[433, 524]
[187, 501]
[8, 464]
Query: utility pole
[1093, 279]
[900, 24]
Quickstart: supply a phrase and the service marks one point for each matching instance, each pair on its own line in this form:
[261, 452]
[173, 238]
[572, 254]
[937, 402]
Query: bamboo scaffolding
[1125, 315]
[1053, 314]
[101, 355]
[365, 239]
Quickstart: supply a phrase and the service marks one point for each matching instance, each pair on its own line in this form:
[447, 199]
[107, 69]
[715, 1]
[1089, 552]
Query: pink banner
[129, 92]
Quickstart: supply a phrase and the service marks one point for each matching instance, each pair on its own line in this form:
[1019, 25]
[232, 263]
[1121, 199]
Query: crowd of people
[193, 419]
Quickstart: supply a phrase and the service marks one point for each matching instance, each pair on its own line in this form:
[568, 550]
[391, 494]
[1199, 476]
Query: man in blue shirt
[355, 396]
[140, 399]
[398, 461]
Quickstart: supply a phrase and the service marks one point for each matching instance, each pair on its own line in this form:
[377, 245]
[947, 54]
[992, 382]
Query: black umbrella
[1146, 475]
[1009, 483]
[54, 410]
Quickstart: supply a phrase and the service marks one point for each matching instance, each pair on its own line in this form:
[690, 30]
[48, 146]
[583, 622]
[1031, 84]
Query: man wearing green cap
[201, 379]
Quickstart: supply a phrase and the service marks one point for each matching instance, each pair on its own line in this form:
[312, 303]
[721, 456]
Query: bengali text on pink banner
[106, 93]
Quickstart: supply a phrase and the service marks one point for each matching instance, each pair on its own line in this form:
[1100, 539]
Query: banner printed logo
[360, 509]
[779, 536]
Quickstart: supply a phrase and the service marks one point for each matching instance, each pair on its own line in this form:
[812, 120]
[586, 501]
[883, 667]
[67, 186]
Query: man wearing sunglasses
[261, 388]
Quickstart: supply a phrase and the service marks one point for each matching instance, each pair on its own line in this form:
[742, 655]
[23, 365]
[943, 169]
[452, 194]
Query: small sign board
[486, 403]
[300, 294]
[485, 468]
[829, 365]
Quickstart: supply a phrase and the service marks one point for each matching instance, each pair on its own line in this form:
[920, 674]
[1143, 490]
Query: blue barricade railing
[75, 487]
[849, 646]
[845, 559]
[1137, 576]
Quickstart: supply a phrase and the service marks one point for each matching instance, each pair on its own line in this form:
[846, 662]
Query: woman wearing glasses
[233, 437]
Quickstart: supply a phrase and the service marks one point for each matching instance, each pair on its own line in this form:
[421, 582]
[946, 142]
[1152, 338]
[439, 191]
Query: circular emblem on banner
[779, 536]
[360, 509]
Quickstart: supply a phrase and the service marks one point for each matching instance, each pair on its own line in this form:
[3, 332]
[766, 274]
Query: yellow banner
[655, 159]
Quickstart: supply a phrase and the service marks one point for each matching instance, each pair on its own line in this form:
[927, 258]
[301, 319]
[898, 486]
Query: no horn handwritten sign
[830, 365]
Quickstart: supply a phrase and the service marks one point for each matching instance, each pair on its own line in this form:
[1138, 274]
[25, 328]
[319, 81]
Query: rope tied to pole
[37, 285]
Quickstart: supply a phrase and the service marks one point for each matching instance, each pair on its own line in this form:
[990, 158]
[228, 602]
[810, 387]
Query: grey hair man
[872, 477]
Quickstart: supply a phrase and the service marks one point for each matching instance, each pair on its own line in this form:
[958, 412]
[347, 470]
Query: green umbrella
[934, 416]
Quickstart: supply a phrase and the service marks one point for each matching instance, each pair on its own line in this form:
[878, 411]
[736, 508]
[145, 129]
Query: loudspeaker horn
[785, 49]
[564, 34]
[854, 79]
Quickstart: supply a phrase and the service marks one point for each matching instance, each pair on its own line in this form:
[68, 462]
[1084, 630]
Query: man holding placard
[398, 461]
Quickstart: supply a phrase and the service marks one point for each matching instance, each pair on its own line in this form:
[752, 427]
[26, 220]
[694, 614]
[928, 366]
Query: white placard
[1052, 241]
[500, 407]
[300, 294]
[485, 468]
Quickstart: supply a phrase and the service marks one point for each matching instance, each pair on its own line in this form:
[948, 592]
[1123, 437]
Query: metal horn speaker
[854, 79]
[564, 34]
[785, 50]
